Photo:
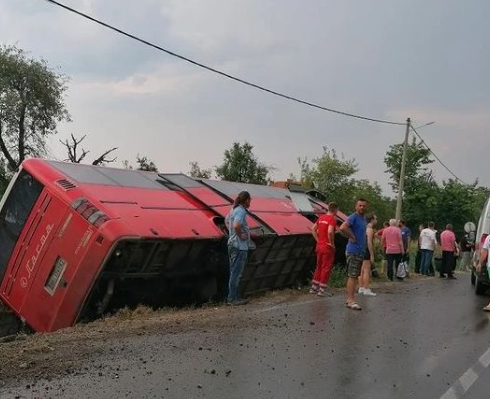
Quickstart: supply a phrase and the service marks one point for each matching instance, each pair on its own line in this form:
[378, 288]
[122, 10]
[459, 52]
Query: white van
[481, 280]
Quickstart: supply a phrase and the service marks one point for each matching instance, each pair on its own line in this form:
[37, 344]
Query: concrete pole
[401, 183]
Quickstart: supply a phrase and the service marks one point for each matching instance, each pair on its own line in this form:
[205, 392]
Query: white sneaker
[361, 290]
[368, 292]
[313, 290]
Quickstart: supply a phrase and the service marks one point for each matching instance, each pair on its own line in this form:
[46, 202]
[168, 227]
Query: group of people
[452, 249]
[395, 239]
[358, 228]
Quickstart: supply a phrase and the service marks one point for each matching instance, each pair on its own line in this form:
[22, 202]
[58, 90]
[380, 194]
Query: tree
[77, 157]
[460, 203]
[145, 164]
[424, 199]
[379, 204]
[241, 165]
[418, 157]
[334, 176]
[31, 105]
[421, 203]
[199, 173]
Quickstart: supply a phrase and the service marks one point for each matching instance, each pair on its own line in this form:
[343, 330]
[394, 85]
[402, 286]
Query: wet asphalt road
[420, 339]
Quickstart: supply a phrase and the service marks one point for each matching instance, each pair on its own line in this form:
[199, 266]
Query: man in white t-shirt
[428, 242]
[484, 260]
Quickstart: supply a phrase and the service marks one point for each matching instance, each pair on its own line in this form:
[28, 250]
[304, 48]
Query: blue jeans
[426, 260]
[238, 259]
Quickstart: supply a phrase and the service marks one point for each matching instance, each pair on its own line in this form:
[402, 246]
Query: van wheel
[480, 288]
[473, 278]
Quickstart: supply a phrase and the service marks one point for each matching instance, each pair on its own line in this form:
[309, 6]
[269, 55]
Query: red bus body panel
[171, 213]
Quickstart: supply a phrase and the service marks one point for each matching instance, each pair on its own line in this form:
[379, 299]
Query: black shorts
[367, 255]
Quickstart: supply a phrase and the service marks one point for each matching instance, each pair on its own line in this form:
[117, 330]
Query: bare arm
[400, 242]
[345, 228]
[314, 231]
[370, 238]
[331, 236]
[482, 260]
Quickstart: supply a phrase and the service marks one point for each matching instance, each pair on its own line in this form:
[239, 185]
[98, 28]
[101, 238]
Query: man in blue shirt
[238, 245]
[354, 229]
[406, 234]
[406, 237]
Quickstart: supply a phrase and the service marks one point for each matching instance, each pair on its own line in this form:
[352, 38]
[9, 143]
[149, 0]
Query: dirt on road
[65, 352]
[71, 350]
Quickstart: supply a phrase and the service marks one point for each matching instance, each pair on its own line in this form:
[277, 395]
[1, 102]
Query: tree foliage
[424, 199]
[31, 105]
[143, 163]
[199, 173]
[418, 157]
[450, 202]
[241, 165]
[334, 176]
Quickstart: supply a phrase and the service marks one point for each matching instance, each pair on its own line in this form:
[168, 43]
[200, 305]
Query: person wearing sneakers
[324, 233]
[365, 277]
[354, 229]
[483, 260]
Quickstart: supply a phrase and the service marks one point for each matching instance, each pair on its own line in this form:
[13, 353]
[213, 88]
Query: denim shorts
[354, 265]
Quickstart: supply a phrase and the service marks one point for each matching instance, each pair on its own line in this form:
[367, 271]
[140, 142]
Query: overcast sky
[389, 59]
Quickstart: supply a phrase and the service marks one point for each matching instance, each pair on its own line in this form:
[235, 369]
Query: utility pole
[401, 183]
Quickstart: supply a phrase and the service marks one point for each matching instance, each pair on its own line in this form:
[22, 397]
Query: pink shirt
[392, 237]
[448, 240]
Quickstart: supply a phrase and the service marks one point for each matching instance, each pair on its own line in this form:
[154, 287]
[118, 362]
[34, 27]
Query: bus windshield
[14, 214]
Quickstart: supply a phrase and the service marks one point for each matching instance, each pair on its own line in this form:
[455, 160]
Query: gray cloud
[380, 58]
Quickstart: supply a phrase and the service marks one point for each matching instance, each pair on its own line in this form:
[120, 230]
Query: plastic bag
[402, 270]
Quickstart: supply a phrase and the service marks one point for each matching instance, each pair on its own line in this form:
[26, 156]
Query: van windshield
[15, 211]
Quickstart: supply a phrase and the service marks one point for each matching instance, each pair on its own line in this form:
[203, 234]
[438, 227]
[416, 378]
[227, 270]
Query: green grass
[338, 279]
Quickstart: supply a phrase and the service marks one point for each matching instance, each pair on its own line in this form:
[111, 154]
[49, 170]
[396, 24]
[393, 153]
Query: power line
[436, 157]
[256, 86]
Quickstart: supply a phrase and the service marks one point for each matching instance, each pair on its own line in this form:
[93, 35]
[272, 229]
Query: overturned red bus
[76, 240]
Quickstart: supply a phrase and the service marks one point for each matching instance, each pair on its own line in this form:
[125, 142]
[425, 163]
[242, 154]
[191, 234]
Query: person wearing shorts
[368, 262]
[354, 229]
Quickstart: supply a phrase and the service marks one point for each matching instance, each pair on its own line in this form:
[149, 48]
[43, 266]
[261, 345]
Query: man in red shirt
[324, 232]
[448, 245]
